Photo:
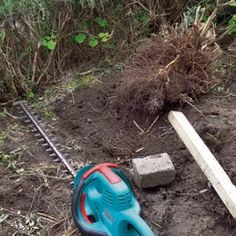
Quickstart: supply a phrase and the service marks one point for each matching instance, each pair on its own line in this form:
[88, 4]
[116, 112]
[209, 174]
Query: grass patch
[86, 81]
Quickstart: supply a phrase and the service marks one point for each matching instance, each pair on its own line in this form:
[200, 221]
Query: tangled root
[167, 71]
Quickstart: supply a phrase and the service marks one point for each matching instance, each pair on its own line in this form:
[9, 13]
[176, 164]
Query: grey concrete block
[153, 171]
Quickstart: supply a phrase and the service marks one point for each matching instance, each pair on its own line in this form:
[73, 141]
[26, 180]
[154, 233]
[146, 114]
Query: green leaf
[104, 37]
[85, 25]
[80, 38]
[101, 35]
[232, 25]
[44, 42]
[2, 35]
[30, 95]
[93, 42]
[101, 22]
[233, 4]
[51, 44]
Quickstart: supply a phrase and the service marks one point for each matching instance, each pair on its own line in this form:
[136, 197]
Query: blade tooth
[27, 121]
[38, 118]
[38, 135]
[23, 117]
[57, 160]
[41, 140]
[53, 139]
[49, 150]
[30, 126]
[53, 155]
[66, 171]
[34, 130]
[57, 144]
[45, 145]
[41, 124]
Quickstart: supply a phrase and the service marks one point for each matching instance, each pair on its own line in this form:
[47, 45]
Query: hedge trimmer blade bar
[34, 124]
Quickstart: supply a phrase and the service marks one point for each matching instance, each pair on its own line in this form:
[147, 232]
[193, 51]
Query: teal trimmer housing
[104, 204]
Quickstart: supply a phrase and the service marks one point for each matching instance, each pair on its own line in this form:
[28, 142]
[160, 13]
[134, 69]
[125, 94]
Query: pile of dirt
[168, 70]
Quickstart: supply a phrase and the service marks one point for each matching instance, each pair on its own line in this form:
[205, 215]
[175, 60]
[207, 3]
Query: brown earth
[93, 131]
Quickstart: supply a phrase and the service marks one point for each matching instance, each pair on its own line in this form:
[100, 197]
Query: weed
[3, 216]
[10, 161]
[33, 224]
[2, 137]
[30, 224]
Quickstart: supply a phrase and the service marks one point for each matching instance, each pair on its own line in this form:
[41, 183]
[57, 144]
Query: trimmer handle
[77, 196]
[133, 224]
[86, 195]
[78, 222]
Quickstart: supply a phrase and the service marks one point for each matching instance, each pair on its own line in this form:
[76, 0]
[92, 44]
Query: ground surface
[91, 130]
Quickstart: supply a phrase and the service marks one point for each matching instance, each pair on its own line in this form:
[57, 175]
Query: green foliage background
[40, 40]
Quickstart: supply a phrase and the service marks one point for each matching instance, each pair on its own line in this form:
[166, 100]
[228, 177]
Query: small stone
[153, 171]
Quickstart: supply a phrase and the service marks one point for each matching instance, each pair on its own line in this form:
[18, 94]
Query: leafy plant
[104, 37]
[10, 161]
[101, 22]
[93, 42]
[33, 224]
[49, 42]
[80, 38]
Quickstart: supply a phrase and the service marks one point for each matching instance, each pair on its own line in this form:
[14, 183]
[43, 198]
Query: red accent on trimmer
[82, 208]
[106, 171]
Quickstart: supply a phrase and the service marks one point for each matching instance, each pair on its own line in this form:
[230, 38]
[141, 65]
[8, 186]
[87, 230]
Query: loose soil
[92, 130]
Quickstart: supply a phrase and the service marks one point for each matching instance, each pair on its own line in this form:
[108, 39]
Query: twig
[194, 107]
[72, 232]
[9, 114]
[35, 195]
[159, 226]
[47, 67]
[51, 218]
[153, 123]
[136, 124]
[212, 16]
[94, 108]
[7, 103]
[35, 61]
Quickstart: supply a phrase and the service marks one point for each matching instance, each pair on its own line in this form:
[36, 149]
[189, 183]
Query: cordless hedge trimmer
[103, 202]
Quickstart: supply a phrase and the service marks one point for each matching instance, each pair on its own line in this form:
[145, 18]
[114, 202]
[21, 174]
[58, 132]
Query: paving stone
[153, 171]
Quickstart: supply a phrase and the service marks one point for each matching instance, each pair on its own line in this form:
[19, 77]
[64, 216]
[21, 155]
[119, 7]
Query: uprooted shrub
[167, 71]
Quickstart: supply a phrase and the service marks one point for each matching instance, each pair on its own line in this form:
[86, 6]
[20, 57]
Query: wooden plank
[206, 160]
